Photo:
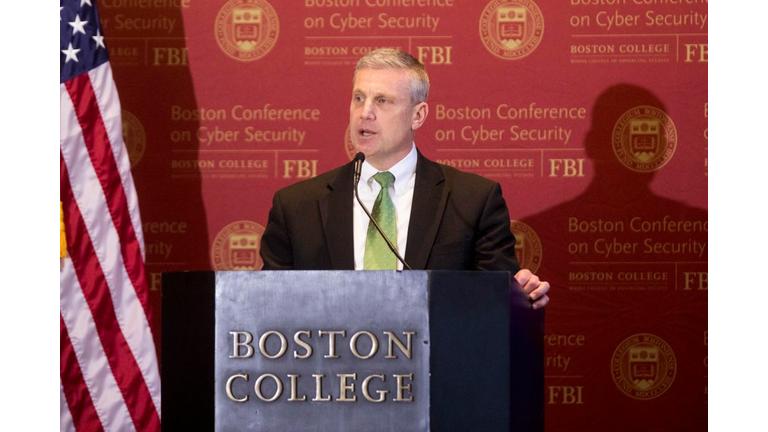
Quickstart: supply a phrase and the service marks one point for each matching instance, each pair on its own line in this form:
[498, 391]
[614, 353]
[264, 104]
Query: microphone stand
[359, 158]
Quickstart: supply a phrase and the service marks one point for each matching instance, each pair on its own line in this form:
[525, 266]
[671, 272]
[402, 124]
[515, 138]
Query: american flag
[109, 372]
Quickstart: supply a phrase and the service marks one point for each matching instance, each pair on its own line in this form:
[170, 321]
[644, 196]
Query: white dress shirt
[401, 192]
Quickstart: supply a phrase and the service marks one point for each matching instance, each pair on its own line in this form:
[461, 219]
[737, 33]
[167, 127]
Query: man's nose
[367, 112]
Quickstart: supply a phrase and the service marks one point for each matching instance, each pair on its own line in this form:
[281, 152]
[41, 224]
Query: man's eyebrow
[377, 94]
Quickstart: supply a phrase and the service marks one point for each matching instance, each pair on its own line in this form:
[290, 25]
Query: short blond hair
[390, 58]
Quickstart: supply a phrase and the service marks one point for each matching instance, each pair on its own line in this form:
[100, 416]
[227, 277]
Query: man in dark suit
[443, 219]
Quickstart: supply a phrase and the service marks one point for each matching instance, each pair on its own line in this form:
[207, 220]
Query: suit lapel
[430, 195]
[336, 212]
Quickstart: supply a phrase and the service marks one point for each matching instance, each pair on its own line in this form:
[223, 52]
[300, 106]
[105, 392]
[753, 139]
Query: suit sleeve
[276, 249]
[495, 243]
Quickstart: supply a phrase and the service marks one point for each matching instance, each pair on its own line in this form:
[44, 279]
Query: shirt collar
[403, 170]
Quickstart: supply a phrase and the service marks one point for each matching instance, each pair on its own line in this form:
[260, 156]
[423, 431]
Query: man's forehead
[384, 79]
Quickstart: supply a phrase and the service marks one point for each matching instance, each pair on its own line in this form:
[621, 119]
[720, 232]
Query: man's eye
[382, 100]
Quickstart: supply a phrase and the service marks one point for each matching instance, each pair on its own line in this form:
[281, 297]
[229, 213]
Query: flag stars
[99, 40]
[83, 2]
[77, 25]
[71, 53]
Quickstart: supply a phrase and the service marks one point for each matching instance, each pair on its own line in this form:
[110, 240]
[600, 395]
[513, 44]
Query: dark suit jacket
[459, 221]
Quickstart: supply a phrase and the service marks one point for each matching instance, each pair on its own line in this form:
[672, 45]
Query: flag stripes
[108, 359]
[96, 372]
[76, 395]
[102, 158]
[99, 299]
[65, 418]
[101, 79]
[89, 195]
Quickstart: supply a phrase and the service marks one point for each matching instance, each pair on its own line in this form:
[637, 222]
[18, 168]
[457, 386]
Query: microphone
[359, 158]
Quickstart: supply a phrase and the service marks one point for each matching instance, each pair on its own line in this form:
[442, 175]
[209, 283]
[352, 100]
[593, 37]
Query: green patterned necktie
[377, 254]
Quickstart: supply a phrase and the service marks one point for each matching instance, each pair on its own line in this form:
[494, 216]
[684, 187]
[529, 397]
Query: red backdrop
[592, 114]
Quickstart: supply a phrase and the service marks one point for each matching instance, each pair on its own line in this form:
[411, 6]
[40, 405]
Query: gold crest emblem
[134, 137]
[236, 247]
[643, 366]
[246, 29]
[644, 139]
[527, 246]
[511, 30]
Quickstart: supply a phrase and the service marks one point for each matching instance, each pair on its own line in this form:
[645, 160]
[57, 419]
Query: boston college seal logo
[134, 137]
[527, 246]
[236, 247]
[511, 30]
[246, 29]
[644, 139]
[643, 366]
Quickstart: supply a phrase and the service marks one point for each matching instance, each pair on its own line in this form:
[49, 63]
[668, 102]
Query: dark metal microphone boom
[359, 159]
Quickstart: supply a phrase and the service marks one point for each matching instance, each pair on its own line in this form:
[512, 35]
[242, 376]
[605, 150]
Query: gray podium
[350, 351]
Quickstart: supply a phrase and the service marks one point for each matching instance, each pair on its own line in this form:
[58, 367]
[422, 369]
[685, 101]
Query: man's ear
[420, 113]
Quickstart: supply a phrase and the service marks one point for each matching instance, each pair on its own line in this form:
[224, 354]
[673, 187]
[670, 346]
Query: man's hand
[536, 289]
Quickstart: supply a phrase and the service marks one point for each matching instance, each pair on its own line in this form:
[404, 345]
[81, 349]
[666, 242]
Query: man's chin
[366, 148]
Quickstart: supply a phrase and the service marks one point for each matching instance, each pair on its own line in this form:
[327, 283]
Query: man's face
[382, 118]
